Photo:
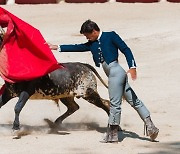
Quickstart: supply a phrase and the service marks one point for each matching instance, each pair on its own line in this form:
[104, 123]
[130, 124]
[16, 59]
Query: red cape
[23, 53]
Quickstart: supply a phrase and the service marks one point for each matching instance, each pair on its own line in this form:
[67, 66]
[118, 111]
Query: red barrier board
[85, 1]
[35, 1]
[2, 1]
[137, 1]
[174, 1]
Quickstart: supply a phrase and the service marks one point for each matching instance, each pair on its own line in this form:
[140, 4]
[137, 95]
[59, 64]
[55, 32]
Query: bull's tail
[96, 73]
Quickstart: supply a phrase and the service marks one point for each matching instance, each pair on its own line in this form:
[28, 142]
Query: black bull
[75, 80]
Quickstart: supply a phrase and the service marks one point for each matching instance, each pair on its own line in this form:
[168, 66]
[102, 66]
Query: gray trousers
[118, 87]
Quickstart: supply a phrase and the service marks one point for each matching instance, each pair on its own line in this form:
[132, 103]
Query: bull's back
[72, 80]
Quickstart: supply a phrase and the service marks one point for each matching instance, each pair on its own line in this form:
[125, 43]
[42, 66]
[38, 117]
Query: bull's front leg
[4, 101]
[23, 97]
[1, 102]
[4, 98]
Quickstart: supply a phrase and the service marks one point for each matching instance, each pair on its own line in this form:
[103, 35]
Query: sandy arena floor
[152, 31]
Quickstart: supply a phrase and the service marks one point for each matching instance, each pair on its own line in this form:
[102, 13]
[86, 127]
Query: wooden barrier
[2, 1]
[174, 1]
[86, 1]
[137, 1]
[35, 1]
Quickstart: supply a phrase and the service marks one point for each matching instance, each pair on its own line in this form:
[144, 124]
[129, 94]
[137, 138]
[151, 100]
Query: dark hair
[88, 26]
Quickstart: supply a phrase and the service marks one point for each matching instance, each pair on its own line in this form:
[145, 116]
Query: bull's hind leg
[71, 105]
[94, 98]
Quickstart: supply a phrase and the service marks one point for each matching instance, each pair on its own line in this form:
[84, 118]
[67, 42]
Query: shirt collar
[100, 33]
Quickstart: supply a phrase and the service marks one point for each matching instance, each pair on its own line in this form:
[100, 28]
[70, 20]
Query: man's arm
[124, 49]
[128, 54]
[70, 48]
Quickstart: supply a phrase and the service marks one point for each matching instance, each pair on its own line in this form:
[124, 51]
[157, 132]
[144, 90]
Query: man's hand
[52, 47]
[133, 73]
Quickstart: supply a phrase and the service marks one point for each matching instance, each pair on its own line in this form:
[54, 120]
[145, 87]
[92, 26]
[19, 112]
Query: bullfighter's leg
[94, 98]
[71, 105]
[143, 112]
[23, 97]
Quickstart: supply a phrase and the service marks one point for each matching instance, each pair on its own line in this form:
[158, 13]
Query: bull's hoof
[15, 133]
[57, 124]
[51, 124]
[58, 121]
[16, 126]
[55, 128]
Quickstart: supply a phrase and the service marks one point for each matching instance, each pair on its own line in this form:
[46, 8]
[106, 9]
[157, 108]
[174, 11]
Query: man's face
[92, 36]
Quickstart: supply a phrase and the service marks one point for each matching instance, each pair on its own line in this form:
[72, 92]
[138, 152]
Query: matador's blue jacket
[108, 44]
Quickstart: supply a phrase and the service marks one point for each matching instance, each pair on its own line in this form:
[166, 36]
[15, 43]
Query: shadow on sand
[165, 148]
[94, 126]
[6, 129]
[65, 128]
